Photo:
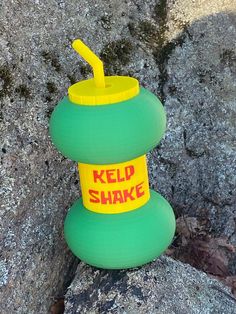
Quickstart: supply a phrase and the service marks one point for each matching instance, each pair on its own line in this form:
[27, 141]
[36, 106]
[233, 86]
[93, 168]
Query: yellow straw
[93, 60]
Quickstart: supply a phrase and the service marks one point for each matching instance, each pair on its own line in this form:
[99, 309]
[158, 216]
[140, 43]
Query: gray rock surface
[197, 168]
[182, 50]
[163, 286]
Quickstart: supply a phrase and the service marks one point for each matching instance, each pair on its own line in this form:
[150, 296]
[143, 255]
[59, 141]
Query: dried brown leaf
[206, 254]
[58, 307]
[187, 226]
[231, 282]
[224, 243]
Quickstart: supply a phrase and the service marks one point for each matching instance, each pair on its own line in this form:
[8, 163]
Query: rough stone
[196, 169]
[183, 50]
[163, 286]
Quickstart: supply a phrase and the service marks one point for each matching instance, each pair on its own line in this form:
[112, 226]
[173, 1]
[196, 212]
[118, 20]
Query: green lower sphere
[117, 241]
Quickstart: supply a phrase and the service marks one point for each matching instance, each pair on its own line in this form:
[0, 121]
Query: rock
[197, 169]
[184, 51]
[163, 286]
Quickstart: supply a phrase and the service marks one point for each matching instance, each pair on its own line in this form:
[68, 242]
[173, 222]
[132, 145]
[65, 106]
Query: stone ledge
[163, 286]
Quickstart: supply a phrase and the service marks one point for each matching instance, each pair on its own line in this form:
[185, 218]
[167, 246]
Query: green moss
[202, 76]
[116, 55]
[85, 69]
[228, 57]
[72, 79]
[160, 15]
[51, 58]
[49, 112]
[145, 31]
[48, 98]
[162, 55]
[6, 78]
[206, 76]
[148, 29]
[117, 51]
[51, 87]
[106, 22]
[182, 25]
[164, 48]
[154, 36]
[150, 33]
[172, 90]
[160, 12]
[132, 28]
[23, 91]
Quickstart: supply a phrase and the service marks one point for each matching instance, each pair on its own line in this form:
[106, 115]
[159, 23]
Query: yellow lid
[100, 90]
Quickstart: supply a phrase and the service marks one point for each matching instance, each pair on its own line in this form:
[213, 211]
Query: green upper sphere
[107, 134]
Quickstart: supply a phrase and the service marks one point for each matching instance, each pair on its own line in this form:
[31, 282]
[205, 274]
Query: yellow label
[116, 188]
